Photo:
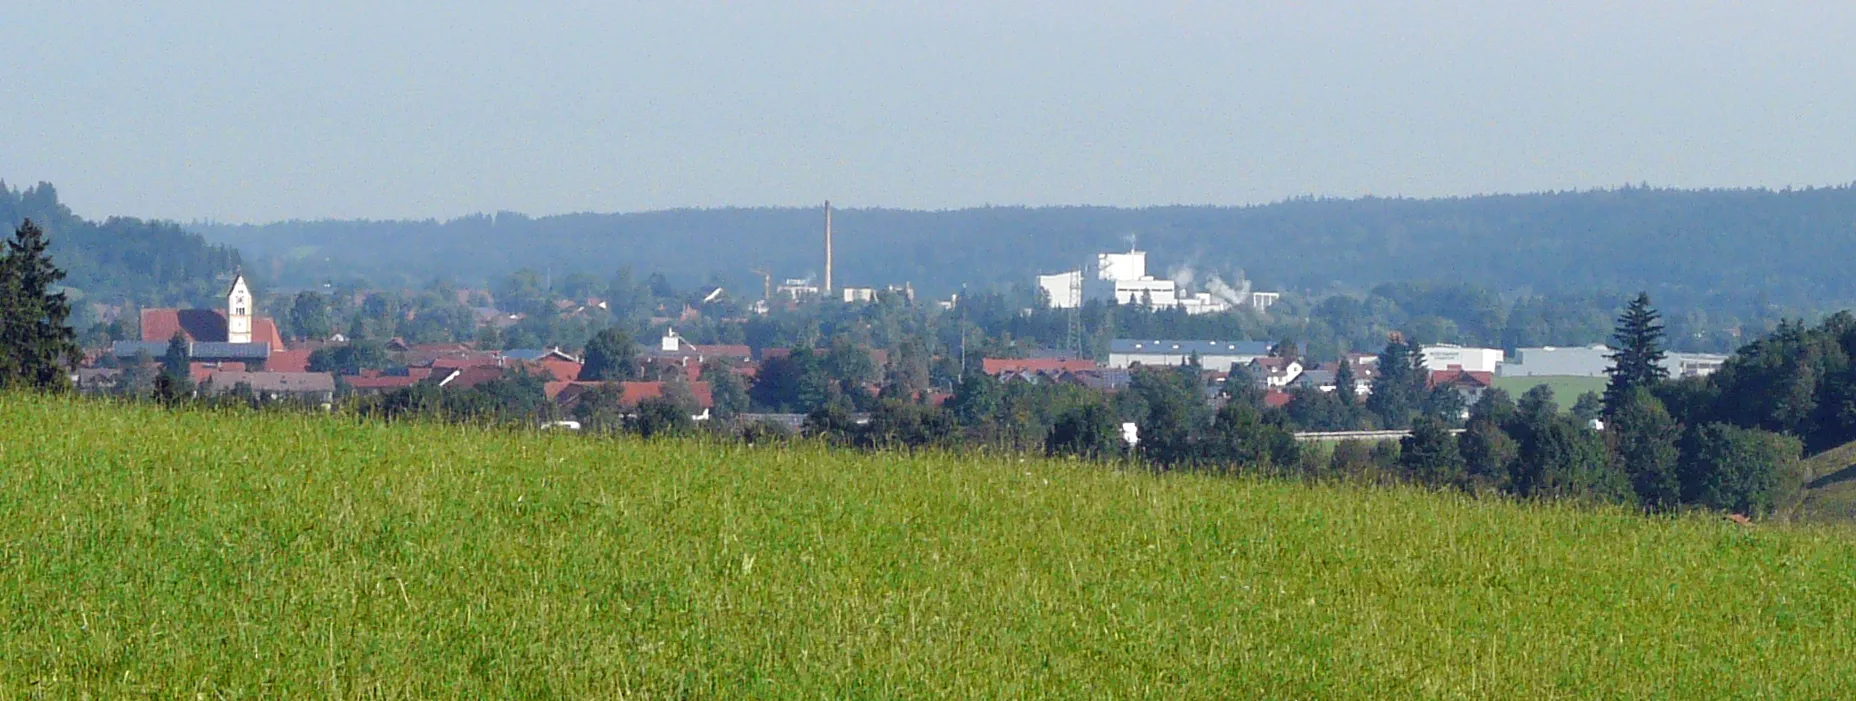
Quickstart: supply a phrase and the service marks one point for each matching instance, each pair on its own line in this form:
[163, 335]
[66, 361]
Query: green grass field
[1566, 390]
[144, 553]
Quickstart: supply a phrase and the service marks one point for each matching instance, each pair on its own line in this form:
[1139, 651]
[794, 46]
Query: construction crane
[766, 283]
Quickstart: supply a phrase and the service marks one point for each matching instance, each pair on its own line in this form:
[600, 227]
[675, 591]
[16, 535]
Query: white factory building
[1123, 277]
[1563, 361]
[1213, 355]
[1444, 356]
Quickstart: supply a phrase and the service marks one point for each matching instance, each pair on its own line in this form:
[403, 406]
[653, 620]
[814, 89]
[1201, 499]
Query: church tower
[238, 311]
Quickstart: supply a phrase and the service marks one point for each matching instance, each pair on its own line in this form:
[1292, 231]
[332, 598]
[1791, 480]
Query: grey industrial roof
[196, 350]
[1134, 345]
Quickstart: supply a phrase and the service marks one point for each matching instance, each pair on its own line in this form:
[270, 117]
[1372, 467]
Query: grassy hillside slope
[1830, 486]
[238, 555]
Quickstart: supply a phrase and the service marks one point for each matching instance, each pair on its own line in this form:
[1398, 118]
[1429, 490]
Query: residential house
[1319, 379]
[1108, 380]
[376, 382]
[1470, 384]
[1047, 366]
[1273, 372]
[288, 361]
[1326, 377]
[569, 394]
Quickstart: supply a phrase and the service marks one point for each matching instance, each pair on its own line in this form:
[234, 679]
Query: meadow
[1566, 389]
[203, 554]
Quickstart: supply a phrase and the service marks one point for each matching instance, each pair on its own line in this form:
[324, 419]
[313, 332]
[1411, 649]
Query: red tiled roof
[287, 361]
[737, 352]
[484, 359]
[1277, 399]
[1458, 376]
[385, 382]
[562, 370]
[196, 324]
[630, 393]
[440, 348]
[467, 378]
[995, 366]
[263, 330]
[553, 390]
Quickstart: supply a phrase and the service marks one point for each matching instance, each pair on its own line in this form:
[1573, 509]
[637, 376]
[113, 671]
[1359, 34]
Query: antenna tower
[827, 289]
[1073, 321]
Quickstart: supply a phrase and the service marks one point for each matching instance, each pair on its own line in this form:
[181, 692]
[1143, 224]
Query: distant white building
[797, 289]
[1682, 365]
[1577, 361]
[1123, 278]
[858, 294]
[1262, 301]
[1445, 356]
[1064, 290]
[1595, 361]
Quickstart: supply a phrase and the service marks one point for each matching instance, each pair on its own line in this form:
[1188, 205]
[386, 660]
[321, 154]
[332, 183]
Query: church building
[235, 333]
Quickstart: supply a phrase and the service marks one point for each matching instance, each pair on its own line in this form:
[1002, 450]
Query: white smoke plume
[1235, 296]
[1183, 275]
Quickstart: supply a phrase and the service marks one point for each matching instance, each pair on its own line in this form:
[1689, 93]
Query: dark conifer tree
[175, 362]
[1638, 361]
[1343, 383]
[1399, 390]
[38, 348]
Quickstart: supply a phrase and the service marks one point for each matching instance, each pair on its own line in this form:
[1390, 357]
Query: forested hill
[1686, 246]
[122, 259]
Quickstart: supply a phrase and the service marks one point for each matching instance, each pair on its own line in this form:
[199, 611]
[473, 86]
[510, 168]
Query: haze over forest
[1720, 249]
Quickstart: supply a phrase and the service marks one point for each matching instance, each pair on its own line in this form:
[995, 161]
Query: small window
[240, 311]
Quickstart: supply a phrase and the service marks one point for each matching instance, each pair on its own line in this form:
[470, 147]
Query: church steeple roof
[238, 276]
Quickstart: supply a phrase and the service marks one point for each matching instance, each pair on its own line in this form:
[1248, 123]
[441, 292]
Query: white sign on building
[1444, 356]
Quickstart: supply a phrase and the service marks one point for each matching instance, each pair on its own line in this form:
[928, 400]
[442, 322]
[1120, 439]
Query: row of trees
[1644, 454]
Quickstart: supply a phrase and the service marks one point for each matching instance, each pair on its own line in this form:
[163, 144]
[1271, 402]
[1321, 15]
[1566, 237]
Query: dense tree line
[122, 259]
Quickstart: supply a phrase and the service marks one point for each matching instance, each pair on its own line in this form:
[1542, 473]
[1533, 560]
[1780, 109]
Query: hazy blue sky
[254, 111]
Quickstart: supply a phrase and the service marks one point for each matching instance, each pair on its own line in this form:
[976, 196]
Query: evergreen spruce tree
[175, 362]
[1399, 390]
[37, 346]
[1343, 383]
[1638, 361]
